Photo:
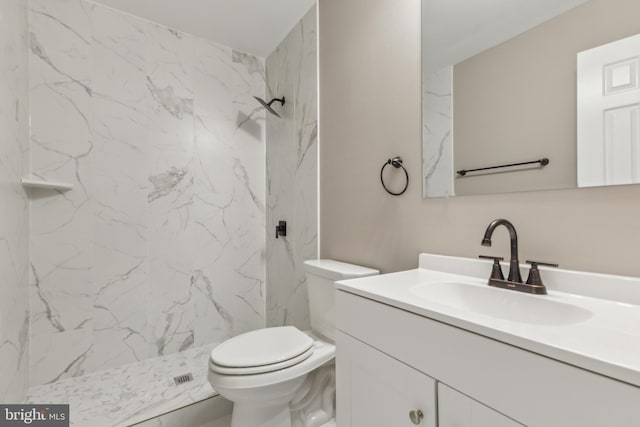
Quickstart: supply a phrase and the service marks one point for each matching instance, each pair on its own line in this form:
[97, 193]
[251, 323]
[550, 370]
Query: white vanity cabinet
[457, 410]
[377, 390]
[391, 361]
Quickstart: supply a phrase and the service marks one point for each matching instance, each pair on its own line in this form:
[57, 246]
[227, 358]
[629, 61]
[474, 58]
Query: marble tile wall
[14, 209]
[437, 134]
[292, 173]
[160, 245]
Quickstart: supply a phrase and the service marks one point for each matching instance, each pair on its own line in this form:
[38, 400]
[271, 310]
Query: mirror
[505, 82]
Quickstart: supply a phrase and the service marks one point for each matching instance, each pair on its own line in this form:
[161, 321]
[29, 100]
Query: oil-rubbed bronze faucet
[514, 264]
[514, 280]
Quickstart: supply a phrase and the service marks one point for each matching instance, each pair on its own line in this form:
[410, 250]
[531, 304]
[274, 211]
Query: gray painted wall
[517, 101]
[370, 110]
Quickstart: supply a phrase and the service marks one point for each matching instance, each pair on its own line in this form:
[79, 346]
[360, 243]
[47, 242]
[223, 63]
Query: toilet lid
[262, 347]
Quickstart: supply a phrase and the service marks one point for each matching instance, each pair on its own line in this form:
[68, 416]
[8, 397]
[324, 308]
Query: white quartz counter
[588, 320]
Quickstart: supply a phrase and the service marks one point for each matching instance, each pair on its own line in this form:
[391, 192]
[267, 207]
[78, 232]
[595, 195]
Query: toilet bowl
[262, 371]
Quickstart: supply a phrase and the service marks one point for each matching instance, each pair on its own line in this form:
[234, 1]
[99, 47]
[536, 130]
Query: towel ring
[396, 162]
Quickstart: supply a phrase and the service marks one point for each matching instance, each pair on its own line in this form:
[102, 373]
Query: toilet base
[272, 399]
[264, 406]
[249, 415]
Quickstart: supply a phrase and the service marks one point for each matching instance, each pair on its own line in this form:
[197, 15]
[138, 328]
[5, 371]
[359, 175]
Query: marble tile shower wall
[14, 210]
[160, 245]
[437, 134]
[292, 173]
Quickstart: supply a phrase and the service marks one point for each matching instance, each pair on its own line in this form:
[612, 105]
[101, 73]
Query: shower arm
[280, 100]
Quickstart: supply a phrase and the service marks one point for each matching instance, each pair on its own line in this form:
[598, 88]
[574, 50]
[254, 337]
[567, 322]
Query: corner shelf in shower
[50, 185]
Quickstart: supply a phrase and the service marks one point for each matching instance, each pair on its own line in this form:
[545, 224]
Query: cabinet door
[457, 410]
[376, 390]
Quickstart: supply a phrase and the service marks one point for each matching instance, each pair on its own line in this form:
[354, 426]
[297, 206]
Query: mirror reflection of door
[609, 114]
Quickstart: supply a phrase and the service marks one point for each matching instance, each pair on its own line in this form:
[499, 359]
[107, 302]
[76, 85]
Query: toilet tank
[321, 275]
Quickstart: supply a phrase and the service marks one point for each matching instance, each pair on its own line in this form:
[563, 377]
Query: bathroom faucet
[534, 283]
[514, 264]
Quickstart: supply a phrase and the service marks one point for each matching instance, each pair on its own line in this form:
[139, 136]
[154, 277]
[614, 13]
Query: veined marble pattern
[160, 245]
[437, 134]
[61, 223]
[305, 233]
[14, 225]
[213, 195]
[132, 393]
[228, 223]
[170, 156]
[120, 125]
[246, 226]
[292, 161]
[280, 181]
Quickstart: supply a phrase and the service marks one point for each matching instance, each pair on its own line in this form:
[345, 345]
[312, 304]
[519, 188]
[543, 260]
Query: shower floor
[136, 392]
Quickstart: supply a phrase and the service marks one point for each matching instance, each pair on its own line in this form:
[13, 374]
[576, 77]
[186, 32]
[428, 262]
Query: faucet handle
[496, 271]
[534, 274]
[499, 258]
[544, 264]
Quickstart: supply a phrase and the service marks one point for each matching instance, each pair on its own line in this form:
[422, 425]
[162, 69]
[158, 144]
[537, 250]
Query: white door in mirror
[609, 114]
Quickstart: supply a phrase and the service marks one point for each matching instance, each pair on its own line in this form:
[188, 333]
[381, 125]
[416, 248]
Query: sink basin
[502, 304]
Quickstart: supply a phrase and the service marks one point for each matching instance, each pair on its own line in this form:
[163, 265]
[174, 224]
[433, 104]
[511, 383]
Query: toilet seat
[252, 370]
[323, 352]
[261, 351]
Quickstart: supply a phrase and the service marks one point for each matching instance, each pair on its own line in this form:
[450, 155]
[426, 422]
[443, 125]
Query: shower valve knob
[281, 229]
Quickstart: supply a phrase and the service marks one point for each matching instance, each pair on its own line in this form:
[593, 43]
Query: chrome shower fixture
[267, 105]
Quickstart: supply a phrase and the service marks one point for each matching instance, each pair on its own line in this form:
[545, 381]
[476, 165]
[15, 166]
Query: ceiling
[455, 30]
[252, 26]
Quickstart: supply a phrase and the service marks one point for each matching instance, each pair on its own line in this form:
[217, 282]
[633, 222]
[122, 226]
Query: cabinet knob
[416, 416]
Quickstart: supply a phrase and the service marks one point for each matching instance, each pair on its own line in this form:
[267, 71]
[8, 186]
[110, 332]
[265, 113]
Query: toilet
[267, 371]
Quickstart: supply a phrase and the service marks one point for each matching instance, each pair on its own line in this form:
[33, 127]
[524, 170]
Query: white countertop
[607, 341]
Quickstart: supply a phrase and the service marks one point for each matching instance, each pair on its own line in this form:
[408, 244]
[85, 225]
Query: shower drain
[181, 379]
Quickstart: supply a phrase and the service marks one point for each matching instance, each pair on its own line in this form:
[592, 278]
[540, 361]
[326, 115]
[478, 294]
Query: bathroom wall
[292, 173]
[370, 109]
[498, 118]
[14, 212]
[160, 245]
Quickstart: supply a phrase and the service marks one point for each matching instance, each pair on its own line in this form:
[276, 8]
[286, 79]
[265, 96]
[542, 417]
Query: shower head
[267, 105]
